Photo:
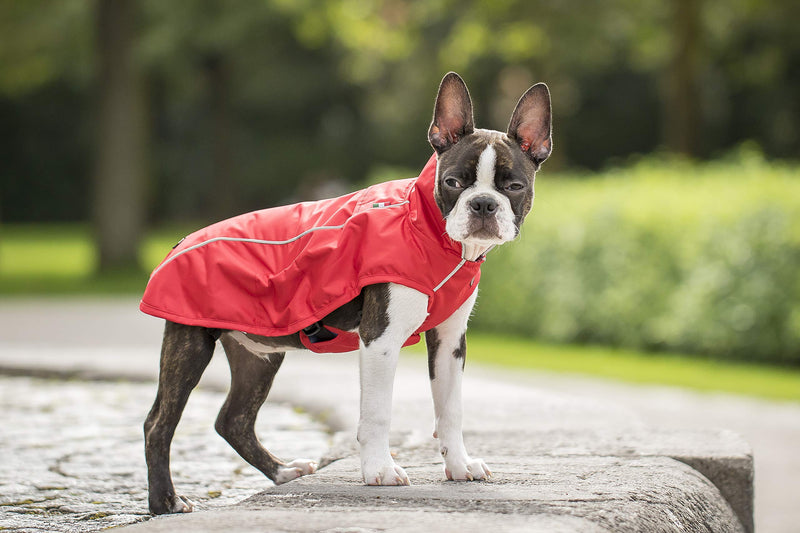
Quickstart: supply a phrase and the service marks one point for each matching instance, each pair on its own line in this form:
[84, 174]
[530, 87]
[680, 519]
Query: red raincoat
[276, 271]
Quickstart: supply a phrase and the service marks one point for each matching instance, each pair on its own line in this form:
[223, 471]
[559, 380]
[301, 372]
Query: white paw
[294, 470]
[467, 470]
[387, 473]
[186, 505]
[181, 504]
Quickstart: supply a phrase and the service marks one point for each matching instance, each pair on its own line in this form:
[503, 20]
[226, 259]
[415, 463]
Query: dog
[370, 270]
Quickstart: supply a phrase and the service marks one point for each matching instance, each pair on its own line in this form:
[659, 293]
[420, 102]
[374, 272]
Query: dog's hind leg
[185, 354]
[251, 380]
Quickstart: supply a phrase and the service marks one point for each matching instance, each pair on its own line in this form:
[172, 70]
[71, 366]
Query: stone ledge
[548, 482]
[352, 521]
[722, 456]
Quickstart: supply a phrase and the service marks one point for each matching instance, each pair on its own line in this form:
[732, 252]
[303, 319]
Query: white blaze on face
[485, 169]
[461, 220]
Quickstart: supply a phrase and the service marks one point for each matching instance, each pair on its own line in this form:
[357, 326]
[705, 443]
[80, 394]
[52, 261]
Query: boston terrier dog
[368, 271]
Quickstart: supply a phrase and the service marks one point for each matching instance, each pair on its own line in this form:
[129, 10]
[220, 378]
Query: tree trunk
[681, 114]
[120, 164]
[221, 194]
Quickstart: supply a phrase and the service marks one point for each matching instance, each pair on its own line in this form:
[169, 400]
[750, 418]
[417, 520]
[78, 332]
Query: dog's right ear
[452, 114]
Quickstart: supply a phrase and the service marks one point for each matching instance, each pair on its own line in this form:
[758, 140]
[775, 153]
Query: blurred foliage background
[662, 255]
[667, 217]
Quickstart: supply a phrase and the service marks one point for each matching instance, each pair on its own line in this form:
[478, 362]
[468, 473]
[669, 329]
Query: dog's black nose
[483, 205]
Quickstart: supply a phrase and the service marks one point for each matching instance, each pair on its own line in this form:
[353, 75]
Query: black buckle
[316, 332]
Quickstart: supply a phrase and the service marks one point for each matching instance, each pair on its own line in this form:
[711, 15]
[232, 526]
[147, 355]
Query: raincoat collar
[426, 217]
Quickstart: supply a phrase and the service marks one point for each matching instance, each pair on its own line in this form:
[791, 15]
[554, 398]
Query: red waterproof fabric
[276, 271]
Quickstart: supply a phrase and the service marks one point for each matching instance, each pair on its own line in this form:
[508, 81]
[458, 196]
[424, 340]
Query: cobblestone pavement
[73, 460]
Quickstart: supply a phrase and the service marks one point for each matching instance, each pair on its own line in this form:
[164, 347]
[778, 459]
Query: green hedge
[662, 255]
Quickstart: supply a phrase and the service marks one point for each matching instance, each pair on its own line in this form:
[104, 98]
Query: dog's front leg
[391, 313]
[446, 357]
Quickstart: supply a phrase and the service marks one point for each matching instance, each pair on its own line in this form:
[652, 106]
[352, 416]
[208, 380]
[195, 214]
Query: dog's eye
[454, 183]
[514, 187]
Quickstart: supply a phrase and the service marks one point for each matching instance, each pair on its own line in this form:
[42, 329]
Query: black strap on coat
[316, 332]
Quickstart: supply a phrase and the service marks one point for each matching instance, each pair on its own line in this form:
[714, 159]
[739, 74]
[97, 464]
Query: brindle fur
[432, 342]
[376, 304]
[461, 351]
[511, 166]
[185, 354]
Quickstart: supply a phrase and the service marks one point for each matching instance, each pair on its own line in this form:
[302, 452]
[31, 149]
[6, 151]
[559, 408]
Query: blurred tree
[251, 101]
[219, 81]
[246, 115]
[45, 146]
[681, 113]
[121, 155]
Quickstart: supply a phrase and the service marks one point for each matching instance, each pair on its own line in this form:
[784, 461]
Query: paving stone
[73, 459]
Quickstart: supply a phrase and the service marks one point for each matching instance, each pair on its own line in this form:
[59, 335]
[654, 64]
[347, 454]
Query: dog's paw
[174, 504]
[294, 470]
[386, 474]
[467, 470]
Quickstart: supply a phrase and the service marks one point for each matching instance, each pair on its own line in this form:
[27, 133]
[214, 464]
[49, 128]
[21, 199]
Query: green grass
[776, 383]
[60, 259]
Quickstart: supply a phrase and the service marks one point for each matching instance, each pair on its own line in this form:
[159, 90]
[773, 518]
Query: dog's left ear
[530, 124]
[452, 114]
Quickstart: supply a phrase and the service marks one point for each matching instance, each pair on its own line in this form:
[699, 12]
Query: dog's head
[484, 178]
